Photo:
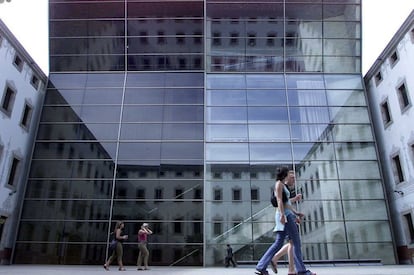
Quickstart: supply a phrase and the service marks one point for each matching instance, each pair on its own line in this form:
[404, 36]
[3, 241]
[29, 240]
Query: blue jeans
[291, 229]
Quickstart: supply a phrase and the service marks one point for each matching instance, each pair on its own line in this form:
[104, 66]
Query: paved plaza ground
[243, 270]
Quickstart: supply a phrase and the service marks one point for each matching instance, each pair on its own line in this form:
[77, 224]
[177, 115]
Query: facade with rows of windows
[177, 113]
[390, 85]
[22, 89]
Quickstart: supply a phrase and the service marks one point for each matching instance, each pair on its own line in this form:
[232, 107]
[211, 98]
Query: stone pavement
[243, 270]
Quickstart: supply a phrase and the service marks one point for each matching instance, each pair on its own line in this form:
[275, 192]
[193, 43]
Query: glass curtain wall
[283, 88]
[177, 113]
[121, 135]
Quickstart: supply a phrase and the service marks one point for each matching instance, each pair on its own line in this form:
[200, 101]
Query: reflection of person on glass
[118, 251]
[142, 246]
[285, 219]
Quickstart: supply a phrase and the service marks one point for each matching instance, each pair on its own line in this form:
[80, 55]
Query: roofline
[405, 27]
[21, 50]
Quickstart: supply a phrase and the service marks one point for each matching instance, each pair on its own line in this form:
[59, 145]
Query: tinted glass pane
[346, 98]
[304, 11]
[227, 152]
[75, 209]
[182, 150]
[304, 81]
[90, 46]
[266, 97]
[85, 10]
[99, 188]
[174, 44]
[307, 97]
[91, 80]
[225, 82]
[67, 150]
[183, 131]
[349, 114]
[160, 9]
[269, 132]
[91, 131]
[144, 150]
[75, 28]
[265, 81]
[377, 210]
[226, 132]
[245, 10]
[341, 64]
[309, 115]
[267, 114]
[183, 113]
[87, 63]
[142, 114]
[311, 132]
[270, 151]
[348, 133]
[226, 97]
[361, 189]
[355, 151]
[87, 96]
[347, 170]
[344, 30]
[71, 168]
[303, 151]
[226, 115]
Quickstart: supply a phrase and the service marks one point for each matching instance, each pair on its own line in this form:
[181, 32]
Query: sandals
[274, 267]
[122, 269]
[106, 267]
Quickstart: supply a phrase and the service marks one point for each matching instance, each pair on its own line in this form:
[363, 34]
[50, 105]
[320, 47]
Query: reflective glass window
[226, 97]
[348, 133]
[269, 132]
[73, 28]
[349, 114]
[270, 151]
[226, 115]
[182, 150]
[89, 46]
[303, 151]
[86, 10]
[267, 114]
[311, 132]
[139, 151]
[78, 131]
[266, 97]
[226, 132]
[84, 96]
[227, 152]
[346, 98]
[341, 81]
[352, 169]
[309, 115]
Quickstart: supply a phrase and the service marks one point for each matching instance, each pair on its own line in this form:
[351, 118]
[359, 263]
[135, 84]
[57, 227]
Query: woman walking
[285, 218]
[118, 250]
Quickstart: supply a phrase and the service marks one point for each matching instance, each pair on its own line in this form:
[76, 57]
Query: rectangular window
[216, 39]
[397, 169]
[410, 227]
[218, 195]
[403, 98]
[26, 116]
[18, 63]
[180, 39]
[179, 194]
[140, 193]
[35, 81]
[394, 59]
[7, 101]
[14, 170]
[161, 38]
[385, 113]
[254, 193]
[236, 195]
[378, 78]
[217, 228]
[158, 194]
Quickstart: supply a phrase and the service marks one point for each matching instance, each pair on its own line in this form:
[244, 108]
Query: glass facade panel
[177, 113]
